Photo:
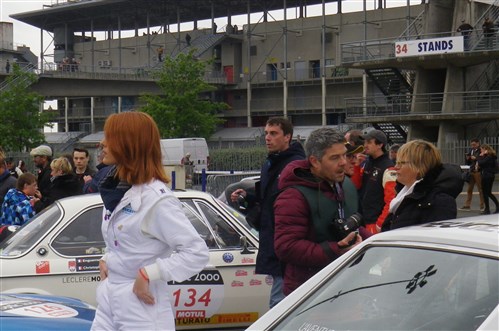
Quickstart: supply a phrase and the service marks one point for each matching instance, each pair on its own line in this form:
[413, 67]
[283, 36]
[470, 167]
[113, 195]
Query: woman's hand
[102, 269]
[141, 288]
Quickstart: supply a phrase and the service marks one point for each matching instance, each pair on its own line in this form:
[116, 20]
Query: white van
[173, 150]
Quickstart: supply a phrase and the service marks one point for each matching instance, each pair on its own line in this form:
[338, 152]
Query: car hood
[37, 312]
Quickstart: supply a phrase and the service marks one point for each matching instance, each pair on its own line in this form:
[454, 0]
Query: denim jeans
[276, 294]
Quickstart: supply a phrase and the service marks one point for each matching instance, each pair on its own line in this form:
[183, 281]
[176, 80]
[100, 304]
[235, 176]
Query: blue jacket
[267, 261]
[16, 209]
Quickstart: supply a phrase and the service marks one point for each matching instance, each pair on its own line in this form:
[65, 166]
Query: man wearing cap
[378, 181]
[353, 166]
[42, 156]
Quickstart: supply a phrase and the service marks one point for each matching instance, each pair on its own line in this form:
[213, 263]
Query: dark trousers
[487, 183]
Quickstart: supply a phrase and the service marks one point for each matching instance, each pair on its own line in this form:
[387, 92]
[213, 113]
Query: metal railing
[26, 67]
[384, 49]
[473, 102]
[487, 78]
[415, 28]
[476, 38]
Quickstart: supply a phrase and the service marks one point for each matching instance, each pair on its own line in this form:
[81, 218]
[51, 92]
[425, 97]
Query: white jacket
[149, 229]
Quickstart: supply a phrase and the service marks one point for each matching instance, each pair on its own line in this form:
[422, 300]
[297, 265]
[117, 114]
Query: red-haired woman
[149, 240]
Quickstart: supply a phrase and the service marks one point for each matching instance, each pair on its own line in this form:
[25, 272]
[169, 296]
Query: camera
[241, 200]
[346, 225]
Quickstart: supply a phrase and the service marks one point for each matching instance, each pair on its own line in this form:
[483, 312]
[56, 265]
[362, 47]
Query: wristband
[143, 274]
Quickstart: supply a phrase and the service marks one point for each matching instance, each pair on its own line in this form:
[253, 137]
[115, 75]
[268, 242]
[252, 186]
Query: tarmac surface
[475, 202]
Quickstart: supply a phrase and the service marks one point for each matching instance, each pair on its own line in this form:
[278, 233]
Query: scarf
[112, 189]
[405, 191]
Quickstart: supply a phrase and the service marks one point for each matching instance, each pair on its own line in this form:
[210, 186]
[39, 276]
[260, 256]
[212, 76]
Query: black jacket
[433, 199]
[60, 187]
[487, 166]
[267, 262]
[372, 192]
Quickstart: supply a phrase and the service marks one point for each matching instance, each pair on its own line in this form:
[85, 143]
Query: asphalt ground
[475, 202]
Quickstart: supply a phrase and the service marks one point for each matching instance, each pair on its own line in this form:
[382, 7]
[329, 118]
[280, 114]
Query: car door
[237, 295]
[78, 248]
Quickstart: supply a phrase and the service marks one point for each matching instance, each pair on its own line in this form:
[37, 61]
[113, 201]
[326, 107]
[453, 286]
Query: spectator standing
[7, 181]
[278, 135]
[7, 67]
[149, 240]
[378, 181]
[160, 51]
[188, 39]
[11, 167]
[92, 186]
[466, 30]
[487, 164]
[352, 168]
[430, 187]
[63, 183]
[81, 158]
[488, 33]
[393, 152]
[315, 193]
[18, 204]
[475, 177]
[42, 156]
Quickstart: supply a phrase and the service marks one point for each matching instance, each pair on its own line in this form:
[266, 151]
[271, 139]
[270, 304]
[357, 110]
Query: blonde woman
[63, 182]
[430, 187]
[487, 164]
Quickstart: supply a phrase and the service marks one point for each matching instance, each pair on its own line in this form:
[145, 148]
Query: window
[82, 236]
[253, 50]
[381, 290]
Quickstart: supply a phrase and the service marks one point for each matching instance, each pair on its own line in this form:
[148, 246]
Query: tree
[22, 122]
[183, 110]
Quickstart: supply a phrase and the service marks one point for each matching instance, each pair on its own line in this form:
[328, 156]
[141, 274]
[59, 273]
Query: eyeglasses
[401, 163]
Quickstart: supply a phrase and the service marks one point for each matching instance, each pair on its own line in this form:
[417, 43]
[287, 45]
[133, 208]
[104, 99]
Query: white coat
[148, 229]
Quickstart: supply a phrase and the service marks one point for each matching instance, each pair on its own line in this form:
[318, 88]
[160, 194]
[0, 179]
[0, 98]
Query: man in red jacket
[315, 194]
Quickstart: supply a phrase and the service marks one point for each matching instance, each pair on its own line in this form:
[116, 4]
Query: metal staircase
[415, 29]
[477, 39]
[390, 81]
[18, 79]
[201, 44]
[396, 85]
[395, 133]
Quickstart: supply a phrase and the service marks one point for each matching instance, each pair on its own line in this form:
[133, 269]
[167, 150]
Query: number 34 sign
[200, 296]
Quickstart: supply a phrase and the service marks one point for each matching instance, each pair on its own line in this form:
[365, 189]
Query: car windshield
[396, 288]
[240, 217]
[30, 233]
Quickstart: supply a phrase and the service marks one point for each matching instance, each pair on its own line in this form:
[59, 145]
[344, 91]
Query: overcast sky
[27, 35]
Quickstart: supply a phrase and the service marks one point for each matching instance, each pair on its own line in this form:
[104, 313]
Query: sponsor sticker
[240, 273]
[219, 319]
[228, 257]
[72, 266]
[236, 283]
[248, 260]
[199, 297]
[255, 282]
[42, 267]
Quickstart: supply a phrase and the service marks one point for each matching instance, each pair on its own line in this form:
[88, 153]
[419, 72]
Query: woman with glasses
[429, 187]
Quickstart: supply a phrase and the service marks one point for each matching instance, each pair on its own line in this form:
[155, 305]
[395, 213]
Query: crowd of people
[24, 194]
[317, 200]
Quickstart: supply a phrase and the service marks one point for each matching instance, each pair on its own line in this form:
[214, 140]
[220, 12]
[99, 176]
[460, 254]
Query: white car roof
[478, 232]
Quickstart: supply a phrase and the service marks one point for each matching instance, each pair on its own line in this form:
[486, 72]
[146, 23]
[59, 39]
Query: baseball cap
[351, 149]
[376, 134]
[42, 150]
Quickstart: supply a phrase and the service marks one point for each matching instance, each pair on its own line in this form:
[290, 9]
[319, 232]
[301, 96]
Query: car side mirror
[244, 244]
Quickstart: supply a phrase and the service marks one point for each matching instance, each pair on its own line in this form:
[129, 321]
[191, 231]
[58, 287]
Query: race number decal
[45, 310]
[198, 297]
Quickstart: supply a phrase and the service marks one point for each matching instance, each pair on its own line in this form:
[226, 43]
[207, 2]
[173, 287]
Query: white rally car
[437, 276]
[58, 253]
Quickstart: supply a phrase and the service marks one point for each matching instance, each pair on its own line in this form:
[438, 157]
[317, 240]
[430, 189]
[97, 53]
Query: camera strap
[340, 197]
